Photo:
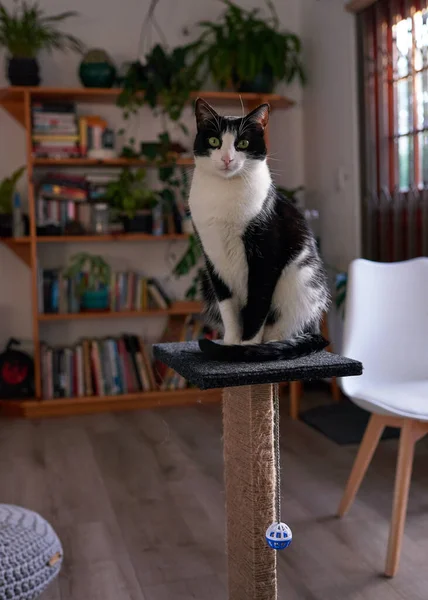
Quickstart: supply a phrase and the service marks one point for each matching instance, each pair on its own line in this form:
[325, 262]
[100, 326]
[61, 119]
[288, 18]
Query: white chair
[386, 328]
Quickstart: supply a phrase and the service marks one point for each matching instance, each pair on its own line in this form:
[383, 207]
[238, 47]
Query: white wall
[115, 26]
[331, 127]
[331, 150]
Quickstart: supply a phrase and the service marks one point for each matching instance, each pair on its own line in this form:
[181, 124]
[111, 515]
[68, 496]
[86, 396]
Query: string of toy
[278, 535]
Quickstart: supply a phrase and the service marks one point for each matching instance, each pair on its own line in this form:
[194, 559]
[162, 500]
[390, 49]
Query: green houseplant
[251, 52]
[24, 32]
[7, 190]
[132, 200]
[92, 274]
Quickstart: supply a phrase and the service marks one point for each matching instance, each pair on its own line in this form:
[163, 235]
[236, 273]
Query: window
[394, 58]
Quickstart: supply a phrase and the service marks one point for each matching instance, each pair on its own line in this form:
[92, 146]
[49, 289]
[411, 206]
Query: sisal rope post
[250, 481]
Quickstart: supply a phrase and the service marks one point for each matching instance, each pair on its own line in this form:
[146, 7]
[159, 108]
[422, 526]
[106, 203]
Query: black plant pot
[263, 83]
[6, 225]
[23, 71]
[140, 223]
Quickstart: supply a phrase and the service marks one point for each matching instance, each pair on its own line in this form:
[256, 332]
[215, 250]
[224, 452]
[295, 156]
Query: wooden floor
[138, 501]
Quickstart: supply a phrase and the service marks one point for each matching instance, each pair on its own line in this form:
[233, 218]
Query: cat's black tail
[300, 345]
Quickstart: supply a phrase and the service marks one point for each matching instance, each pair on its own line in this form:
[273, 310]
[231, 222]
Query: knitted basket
[30, 553]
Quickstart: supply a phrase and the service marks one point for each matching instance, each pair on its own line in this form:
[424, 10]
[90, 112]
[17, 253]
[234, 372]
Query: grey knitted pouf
[30, 553]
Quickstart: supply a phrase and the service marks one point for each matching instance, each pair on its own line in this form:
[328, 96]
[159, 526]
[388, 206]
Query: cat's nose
[227, 160]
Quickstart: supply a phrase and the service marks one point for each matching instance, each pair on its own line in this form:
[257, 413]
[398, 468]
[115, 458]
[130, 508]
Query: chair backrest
[386, 321]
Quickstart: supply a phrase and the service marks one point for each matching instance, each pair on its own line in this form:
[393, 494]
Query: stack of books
[54, 130]
[128, 291]
[96, 139]
[62, 197]
[97, 367]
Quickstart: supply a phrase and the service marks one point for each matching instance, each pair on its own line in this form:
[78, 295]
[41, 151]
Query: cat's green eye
[214, 142]
[243, 144]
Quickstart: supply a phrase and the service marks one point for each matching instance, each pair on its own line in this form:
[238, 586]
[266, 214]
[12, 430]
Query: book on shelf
[127, 291]
[55, 132]
[109, 366]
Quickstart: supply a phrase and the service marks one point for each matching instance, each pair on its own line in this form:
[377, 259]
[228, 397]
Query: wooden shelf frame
[107, 162]
[61, 407]
[177, 308]
[17, 101]
[13, 98]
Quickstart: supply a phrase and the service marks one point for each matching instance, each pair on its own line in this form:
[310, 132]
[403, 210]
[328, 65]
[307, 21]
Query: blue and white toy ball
[279, 536]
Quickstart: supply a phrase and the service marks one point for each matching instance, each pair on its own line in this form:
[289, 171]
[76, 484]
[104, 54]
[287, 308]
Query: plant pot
[6, 225]
[23, 71]
[97, 74]
[142, 222]
[263, 83]
[95, 300]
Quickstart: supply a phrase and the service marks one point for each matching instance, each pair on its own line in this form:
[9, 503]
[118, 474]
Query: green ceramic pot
[97, 74]
[95, 300]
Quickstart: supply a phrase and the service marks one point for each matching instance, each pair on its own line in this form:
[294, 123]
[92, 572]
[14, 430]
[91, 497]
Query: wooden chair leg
[365, 453]
[295, 395]
[403, 473]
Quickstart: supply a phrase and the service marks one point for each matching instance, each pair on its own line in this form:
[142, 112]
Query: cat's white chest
[223, 244]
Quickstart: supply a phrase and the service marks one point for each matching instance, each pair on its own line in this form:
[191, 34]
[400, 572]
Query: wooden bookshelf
[177, 308]
[107, 162]
[110, 237]
[17, 101]
[35, 409]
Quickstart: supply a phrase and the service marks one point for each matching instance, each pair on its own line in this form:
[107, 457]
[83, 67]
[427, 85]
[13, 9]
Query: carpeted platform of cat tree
[249, 457]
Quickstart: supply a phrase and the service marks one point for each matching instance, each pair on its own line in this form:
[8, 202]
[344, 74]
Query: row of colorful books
[97, 367]
[127, 291]
[57, 132]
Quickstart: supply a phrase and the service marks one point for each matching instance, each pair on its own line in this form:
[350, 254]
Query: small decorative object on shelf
[97, 70]
[100, 218]
[7, 192]
[16, 372]
[25, 32]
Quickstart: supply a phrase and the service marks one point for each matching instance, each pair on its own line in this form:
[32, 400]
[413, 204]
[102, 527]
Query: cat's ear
[204, 112]
[260, 115]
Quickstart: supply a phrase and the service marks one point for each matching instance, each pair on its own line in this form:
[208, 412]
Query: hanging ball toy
[279, 536]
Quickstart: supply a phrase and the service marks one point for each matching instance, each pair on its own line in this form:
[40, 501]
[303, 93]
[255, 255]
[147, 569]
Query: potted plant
[97, 69]
[133, 200]
[7, 190]
[248, 51]
[24, 32]
[92, 274]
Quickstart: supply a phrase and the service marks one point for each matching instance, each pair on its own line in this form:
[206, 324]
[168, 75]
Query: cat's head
[229, 146]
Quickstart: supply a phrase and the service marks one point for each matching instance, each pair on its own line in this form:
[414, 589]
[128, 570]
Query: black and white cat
[264, 279]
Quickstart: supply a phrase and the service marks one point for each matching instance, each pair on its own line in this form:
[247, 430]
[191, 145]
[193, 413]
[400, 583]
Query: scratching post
[249, 473]
[249, 450]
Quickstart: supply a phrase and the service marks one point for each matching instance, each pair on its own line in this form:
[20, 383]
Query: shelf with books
[107, 162]
[111, 237]
[177, 308]
[43, 132]
[92, 404]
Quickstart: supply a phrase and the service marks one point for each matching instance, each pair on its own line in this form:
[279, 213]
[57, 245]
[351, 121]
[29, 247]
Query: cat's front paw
[231, 339]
